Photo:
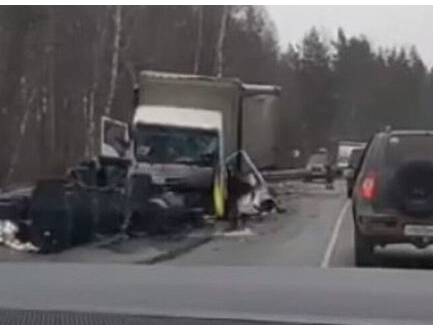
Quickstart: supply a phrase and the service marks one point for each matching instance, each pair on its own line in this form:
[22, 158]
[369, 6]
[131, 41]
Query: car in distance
[354, 159]
[316, 168]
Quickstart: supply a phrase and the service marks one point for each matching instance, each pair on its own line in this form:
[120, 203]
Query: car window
[402, 148]
[367, 153]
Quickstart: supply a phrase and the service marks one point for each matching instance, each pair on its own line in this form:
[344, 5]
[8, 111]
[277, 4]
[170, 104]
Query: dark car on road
[319, 168]
[393, 193]
[353, 163]
[316, 166]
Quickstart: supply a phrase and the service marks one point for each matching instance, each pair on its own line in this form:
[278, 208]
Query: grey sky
[383, 25]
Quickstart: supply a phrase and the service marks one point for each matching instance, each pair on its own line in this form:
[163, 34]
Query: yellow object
[219, 196]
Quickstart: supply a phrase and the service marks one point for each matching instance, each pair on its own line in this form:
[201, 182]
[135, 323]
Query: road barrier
[283, 174]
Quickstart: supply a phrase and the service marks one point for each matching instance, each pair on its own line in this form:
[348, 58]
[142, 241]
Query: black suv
[393, 193]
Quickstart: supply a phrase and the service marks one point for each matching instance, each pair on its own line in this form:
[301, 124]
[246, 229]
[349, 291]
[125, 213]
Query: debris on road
[9, 237]
[246, 232]
[255, 196]
[156, 172]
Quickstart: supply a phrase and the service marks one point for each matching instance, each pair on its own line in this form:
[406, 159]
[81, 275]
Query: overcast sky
[383, 25]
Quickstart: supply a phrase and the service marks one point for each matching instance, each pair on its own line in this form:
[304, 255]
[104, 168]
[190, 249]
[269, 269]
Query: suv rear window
[408, 147]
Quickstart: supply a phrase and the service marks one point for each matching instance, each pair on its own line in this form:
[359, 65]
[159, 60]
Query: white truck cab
[182, 151]
[175, 135]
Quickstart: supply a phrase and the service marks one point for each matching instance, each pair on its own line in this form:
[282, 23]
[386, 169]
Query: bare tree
[90, 107]
[91, 124]
[199, 41]
[51, 70]
[114, 59]
[88, 116]
[27, 100]
[219, 57]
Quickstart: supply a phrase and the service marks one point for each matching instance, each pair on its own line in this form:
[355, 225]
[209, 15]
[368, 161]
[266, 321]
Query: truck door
[114, 138]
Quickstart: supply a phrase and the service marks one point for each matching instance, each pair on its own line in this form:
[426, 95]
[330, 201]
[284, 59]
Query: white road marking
[333, 240]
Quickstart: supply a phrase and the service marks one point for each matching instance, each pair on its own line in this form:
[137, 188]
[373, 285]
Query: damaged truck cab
[182, 130]
[176, 172]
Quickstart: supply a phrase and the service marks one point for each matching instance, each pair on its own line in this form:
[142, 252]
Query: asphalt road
[300, 237]
[316, 231]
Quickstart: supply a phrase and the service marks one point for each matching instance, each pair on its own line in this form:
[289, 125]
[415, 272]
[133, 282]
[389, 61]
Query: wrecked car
[62, 212]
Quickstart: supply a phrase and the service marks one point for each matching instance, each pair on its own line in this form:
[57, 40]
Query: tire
[42, 242]
[55, 237]
[156, 220]
[51, 243]
[145, 221]
[364, 250]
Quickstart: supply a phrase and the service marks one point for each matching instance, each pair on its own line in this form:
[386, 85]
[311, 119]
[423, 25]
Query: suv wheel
[363, 250]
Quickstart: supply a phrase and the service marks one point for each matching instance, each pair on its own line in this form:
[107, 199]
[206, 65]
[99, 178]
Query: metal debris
[8, 237]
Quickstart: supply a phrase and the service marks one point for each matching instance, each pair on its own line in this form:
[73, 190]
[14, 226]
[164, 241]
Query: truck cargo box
[260, 122]
[191, 91]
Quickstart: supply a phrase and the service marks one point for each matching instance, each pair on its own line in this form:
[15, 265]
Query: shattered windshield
[173, 145]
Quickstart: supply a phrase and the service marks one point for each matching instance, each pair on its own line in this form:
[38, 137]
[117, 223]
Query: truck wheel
[364, 250]
[148, 221]
[46, 241]
[52, 239]
[42, 240]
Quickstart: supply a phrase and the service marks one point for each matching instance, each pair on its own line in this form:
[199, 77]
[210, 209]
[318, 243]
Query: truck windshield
[167, 144]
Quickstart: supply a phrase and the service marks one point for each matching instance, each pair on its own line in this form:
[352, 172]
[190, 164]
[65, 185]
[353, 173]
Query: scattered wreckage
[96, 198]
[58, 213]
[180, 159]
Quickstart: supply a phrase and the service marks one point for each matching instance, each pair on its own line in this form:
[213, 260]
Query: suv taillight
[369, 187]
